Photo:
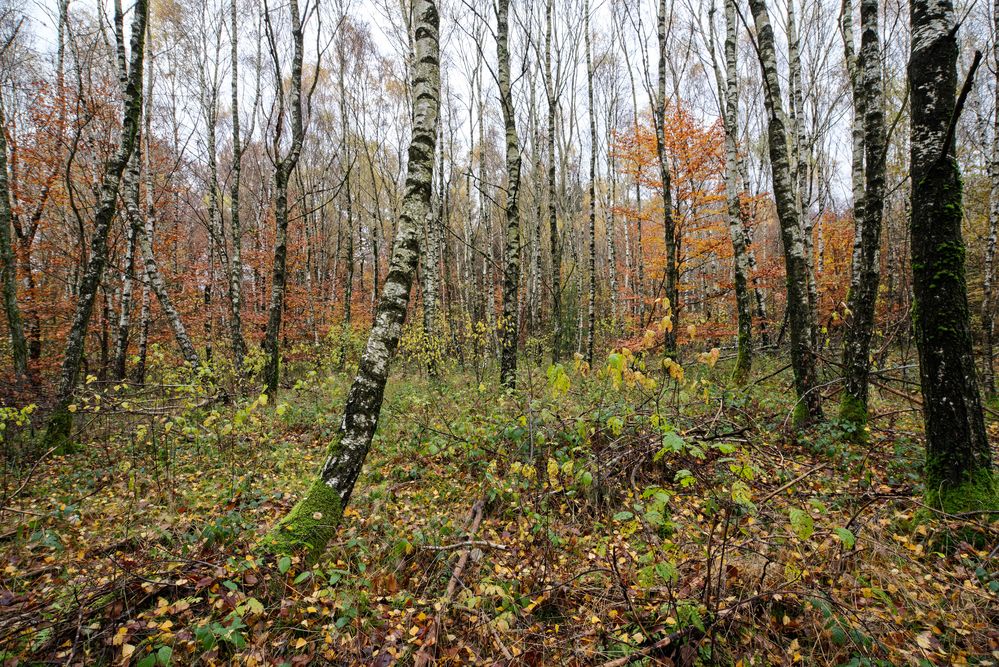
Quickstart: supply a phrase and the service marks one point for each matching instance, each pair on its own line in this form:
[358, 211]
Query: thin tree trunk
[511, 264]
[864, 290]
[809, 405]
[131, 191]
[15, 323]
[800, 155]
[139, 372]
[958, 461]
[314, 519]
[857, 138]
[669, 224]
[554, 239]
[61, 420]
[155, 277]
[236, 252]
[730, 110]
[988, 322]
[282, 175]
[431, 260]
[146, 225]
[591, 303]
[747, 215]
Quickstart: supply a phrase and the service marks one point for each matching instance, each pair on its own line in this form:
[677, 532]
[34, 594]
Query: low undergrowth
[633, 511]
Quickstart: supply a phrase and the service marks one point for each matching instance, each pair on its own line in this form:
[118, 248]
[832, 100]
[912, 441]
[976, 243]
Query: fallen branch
[423, 657]
[792, 482]
[465, 544]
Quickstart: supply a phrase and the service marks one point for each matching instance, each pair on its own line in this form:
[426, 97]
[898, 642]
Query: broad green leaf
[801, 523]
[846, 537]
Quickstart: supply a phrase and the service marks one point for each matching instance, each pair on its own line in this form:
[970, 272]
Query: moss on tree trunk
[958, 459]
[312, 522]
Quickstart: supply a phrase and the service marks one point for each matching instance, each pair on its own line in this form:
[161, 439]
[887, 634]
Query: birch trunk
[809, 406]
[511, 259]
[131, 188]
[857, 138]
[728, 99]
[146, 225]
[988, 322]
[15, 323]
[61, 420]
[431, 263]
[591, 303]
[747, 215]
[554, 239]
[282, 175]
[669, 226]
[139, 372]
[152, 270]
[867, 271]
[236, 249]
[800, 156]
[958, 461]
[314, 519]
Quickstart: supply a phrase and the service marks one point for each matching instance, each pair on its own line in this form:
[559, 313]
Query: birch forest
[506, 332]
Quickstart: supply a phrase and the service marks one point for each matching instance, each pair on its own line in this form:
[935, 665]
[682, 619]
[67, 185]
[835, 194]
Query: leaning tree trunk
[145, 223]
[958, 462]
[669, 224]
[15, 324]
[154, 277]
[511, 264]
[282, 175]
[866, 272]
[809, 405]
[61, 420]
[313, 520]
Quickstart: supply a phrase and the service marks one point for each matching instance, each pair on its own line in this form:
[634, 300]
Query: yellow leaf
[300, 642]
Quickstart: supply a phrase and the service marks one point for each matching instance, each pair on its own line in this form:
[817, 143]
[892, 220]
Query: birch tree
[511, 242]
[313, 520]
[672, 270]
[867, 266]
[15, 323]
[988, 305]
[61, 420]
[958, 460]
[236, 231]
[554, 238]
[142, 220]
[728, 101]
[592, 237]
[799, 313]
[283, 167]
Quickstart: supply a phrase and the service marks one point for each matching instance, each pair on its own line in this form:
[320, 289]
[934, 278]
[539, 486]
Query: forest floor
[612, 516]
